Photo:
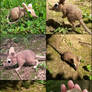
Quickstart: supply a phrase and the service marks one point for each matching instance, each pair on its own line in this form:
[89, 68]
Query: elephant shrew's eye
[56, 5]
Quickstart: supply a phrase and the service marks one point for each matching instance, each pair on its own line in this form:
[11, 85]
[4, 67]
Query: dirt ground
[35, 43]
[79, 45]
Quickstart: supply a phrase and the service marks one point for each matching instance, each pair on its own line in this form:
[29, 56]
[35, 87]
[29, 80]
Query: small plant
[82, 61]
[89, 67]
[41, 82]
[42, 65]
[61, 30]
[86, 15]
[90, 77]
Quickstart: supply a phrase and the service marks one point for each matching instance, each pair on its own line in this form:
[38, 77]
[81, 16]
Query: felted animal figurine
[20, 58]
[68, 57]
[18, 12]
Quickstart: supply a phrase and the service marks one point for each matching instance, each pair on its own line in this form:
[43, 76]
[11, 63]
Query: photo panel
[23, 57]
[22, 86]
[69, 57]
[45, 46]
[68, 17]
[23, 16]
[68, 86]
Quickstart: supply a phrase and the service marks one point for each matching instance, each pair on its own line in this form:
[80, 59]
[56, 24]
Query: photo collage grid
[45, 46]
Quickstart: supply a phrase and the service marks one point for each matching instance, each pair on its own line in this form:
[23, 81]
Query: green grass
[54, 85]
[26, 24]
